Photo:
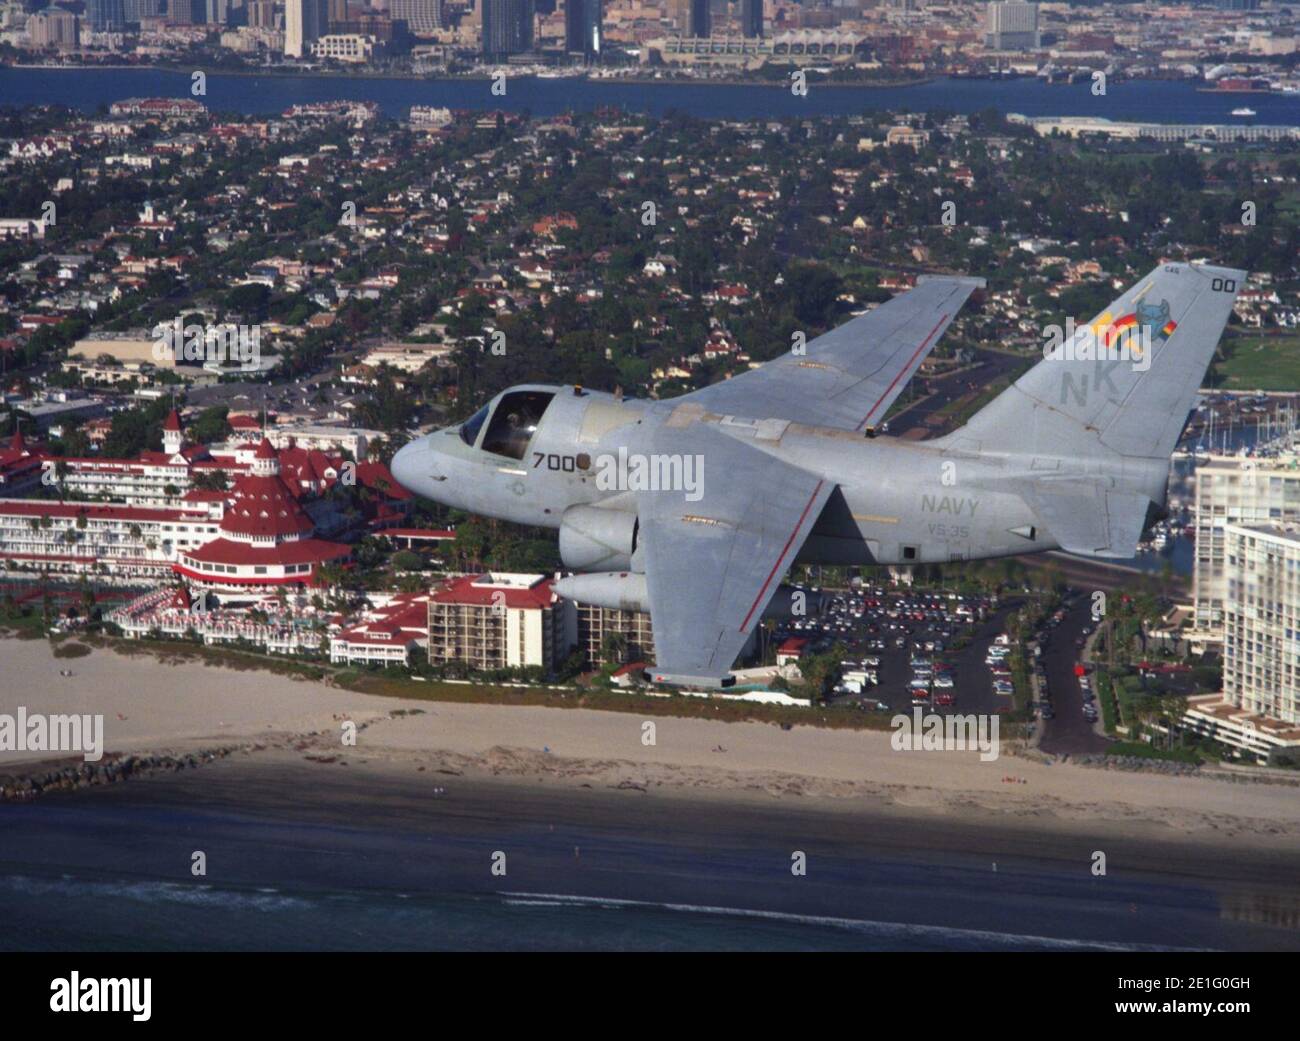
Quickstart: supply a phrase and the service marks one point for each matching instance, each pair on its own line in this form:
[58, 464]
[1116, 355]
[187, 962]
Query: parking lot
[910, 647]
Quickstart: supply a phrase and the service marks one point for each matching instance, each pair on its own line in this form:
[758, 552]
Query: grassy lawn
[1258, 362]
[681, 705]
[366, 682]
[1105, 698]
[24, 627]
[1145, 751]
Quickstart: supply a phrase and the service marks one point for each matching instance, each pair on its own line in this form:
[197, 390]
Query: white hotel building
[1231, 491]
[1259, 710]
[1261, 638]
[80, 538]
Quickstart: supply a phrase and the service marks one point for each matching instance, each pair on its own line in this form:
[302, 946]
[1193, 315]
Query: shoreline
[188, 709]
[476, 77]
[396, 836]
[612, 842]
[1171, 101]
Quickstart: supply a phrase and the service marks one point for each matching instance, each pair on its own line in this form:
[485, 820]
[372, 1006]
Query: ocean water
[66, 912]
[1142, 100]
[347, 864]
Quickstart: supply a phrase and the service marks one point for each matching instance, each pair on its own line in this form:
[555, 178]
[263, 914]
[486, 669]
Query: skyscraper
[697, 17]
[751, 18]
[261, 14]
[1261, 648]
[185, 12]
[583, 29]
[105, 16]
[134, 10]
[420, 16]
[1247, 492]
[53, 27]
[1012, 26]
[304, 22]
[507, 26]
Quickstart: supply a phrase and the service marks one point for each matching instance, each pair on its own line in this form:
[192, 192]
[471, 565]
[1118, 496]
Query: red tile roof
[262, 504]
[304, 551]
[463, 590]
[377, 476]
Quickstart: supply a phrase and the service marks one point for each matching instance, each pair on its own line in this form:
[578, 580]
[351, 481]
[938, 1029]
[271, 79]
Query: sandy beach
[613, 842]
[149, 706]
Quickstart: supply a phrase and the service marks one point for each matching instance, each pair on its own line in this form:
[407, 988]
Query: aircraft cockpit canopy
[515, 418]
[470, 428]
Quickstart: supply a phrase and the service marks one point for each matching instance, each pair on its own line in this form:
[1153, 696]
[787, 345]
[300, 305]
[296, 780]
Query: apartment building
[1261, 634]
[500, 620]
[1258, 712]
[1231, 490]
[597, 624]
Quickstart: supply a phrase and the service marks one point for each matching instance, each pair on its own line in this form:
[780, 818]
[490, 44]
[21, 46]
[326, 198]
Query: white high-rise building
[422, 17]
[1258, 712]
[1011, 26]
[304, 22]
[1261, 625]
[1230, 490]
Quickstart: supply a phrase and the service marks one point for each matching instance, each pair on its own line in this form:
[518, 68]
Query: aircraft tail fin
[1123, 385]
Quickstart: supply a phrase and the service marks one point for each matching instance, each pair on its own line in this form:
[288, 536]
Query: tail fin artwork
[1096, 421]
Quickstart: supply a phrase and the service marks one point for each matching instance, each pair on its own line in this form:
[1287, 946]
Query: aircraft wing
[713, 564]
[849, 376]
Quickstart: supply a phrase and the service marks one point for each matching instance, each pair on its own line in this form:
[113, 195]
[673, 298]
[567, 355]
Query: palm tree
[1173, 707]
[613, 648]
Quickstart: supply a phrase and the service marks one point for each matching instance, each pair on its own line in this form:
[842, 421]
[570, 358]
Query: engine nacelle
[615, 590]
[596, 539]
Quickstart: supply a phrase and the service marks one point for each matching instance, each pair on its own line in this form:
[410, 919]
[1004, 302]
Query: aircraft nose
[410, 467]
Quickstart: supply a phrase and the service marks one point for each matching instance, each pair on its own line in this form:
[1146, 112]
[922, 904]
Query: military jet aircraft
[694, 508]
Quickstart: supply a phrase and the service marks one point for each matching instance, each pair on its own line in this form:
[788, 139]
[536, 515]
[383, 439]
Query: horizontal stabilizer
[1090, 520]
[847, 378]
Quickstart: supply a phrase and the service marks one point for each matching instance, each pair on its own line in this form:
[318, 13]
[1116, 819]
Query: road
[918, 421]
[1069, 732]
